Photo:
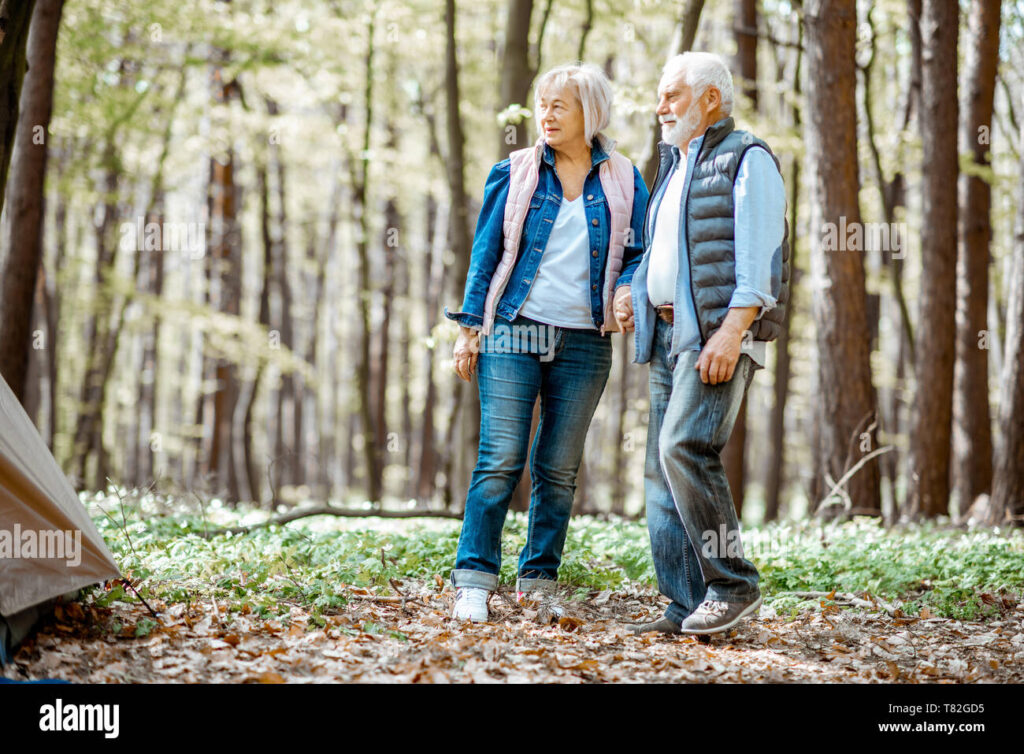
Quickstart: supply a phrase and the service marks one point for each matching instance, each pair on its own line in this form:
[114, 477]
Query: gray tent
[48, 545]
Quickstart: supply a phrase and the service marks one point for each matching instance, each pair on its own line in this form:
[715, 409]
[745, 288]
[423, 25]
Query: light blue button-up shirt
[759, 209]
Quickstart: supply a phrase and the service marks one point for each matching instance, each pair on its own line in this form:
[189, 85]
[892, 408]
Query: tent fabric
[37, 503]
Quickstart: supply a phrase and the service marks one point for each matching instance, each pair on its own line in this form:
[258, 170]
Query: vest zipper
[654, 190]
[686, 235]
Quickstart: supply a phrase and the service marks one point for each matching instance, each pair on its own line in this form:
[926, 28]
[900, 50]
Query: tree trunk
[263, 191]
[972, 423]
[777, 431]
[461, 437]
[391, 241]
[1008, 481]
[516, 74]
[15, 18]
[288, 440]
[682, 41]
[928, 483]
[364, 370]
[89, 421]
[847, 405]
[53, 306]
[28, 176]
[433, 271]
[745, 33]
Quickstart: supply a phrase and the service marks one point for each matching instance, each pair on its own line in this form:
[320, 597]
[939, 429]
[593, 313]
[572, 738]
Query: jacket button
[594, 253]
[593, 287]
[594, 221]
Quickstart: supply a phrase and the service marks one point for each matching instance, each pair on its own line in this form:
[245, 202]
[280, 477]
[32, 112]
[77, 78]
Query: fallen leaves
[383, 641]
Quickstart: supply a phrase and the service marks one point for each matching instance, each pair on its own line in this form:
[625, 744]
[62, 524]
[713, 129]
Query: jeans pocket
[751, 370]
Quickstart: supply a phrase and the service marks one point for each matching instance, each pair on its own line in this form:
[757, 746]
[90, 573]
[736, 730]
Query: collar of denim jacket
[600, 150]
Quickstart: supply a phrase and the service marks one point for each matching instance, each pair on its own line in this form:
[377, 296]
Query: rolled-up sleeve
[488, 241]
[759, 206]
[634, 249]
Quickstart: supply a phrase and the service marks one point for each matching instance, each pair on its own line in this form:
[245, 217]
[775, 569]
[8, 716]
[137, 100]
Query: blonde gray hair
[592, 89]
[703, 69]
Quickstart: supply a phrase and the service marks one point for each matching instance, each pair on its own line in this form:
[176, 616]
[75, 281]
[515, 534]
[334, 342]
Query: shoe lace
[475, 597]
[713, 608]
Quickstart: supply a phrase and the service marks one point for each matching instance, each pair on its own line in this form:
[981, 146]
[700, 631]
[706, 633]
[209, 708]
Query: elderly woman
[556, 244]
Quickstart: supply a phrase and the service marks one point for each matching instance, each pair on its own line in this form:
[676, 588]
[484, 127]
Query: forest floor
[412, 639]
[328, 599]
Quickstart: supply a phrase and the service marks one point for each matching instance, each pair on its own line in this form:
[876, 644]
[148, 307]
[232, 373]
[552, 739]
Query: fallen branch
[328, 510]
[846, 598]
[839, 487]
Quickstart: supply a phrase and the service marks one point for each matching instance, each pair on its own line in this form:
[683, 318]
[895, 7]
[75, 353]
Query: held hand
[622, 306]
[467, 348]
[718, 358]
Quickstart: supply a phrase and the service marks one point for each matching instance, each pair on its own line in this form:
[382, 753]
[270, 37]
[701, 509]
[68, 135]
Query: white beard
[681, 133]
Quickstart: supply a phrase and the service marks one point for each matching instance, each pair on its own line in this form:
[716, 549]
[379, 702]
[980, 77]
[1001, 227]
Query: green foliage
[947, 570]
[311, 562]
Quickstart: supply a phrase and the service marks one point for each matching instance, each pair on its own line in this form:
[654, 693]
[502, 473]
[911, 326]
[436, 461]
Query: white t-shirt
[560, 293]
[663, 266]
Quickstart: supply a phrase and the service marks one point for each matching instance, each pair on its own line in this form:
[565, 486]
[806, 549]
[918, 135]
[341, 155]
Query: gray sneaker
[712, 616]
[664, 624]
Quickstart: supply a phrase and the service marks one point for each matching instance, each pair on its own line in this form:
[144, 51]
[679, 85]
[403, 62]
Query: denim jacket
[544, 208]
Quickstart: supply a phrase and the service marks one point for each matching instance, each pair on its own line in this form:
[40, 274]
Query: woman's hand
[467, 347]
[622, 306]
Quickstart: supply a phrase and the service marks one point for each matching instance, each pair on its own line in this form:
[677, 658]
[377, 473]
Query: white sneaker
[471, 604]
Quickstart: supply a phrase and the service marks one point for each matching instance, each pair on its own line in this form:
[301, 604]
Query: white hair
[592, 90]
[703, 69]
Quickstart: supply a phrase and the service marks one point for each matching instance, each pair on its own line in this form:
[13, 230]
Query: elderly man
[710, 291]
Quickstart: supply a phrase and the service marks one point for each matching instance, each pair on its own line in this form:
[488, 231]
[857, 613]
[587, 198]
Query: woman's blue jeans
[568, 369]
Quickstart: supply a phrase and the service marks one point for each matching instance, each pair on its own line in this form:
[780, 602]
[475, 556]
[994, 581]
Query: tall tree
[972, 424]
[28, 178]
[846, 396]
[88, 438]
[461, 247]
[745, 33]
[366, 388]
[516, 72]
[288, 425]
[15, 17]
[226, 274]
[777, 430]
[1008, 482]
[682, 41]
[931, 418]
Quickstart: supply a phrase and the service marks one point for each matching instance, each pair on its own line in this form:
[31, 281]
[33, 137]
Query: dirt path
[391, 641]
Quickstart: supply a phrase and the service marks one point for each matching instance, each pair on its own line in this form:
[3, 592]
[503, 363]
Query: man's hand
[622, 305]
[467, 348]
[718, 358]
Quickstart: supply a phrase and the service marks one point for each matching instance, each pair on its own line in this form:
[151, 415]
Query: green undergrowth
[312, 562]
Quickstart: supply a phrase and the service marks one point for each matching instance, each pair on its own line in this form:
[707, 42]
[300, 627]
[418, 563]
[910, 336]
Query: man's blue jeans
[690, 513]
[569, 374]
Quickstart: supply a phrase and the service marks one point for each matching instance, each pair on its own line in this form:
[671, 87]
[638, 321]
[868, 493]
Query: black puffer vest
[710, 227]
